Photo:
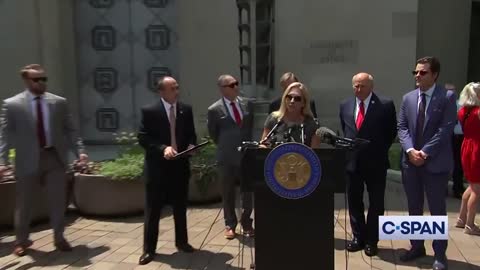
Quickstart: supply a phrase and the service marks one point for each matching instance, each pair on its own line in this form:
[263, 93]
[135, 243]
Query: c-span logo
[292, 170]
[413, 228]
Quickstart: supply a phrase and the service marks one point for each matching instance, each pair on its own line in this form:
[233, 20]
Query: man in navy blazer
[373, 118]
[425, 125]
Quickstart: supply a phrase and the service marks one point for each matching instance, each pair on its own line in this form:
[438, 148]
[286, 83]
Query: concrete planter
[99, 195]
[203, 192]
[7, 206]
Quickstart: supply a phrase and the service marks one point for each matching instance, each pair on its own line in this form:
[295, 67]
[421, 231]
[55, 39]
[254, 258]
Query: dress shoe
[187, 248]
[63, 245]
[371, 250]
[248, 231]
[21, 249]
[355, 245]
[146, 258]
[413, 254]
[440, 264]
[229, 233]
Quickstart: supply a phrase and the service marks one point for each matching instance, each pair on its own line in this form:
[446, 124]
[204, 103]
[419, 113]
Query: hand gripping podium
[294, 233]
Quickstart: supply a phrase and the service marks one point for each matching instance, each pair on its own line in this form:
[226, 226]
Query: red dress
[471, 143]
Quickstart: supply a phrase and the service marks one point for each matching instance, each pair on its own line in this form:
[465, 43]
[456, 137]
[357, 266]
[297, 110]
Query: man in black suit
[167, 127]
[287, 79]
[367, 116]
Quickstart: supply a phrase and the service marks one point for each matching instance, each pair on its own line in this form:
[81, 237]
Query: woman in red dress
[469, 117]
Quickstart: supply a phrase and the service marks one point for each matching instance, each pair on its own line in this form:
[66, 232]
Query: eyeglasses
[43, 79]
[421, 72]
[294, 98]
[231, 85]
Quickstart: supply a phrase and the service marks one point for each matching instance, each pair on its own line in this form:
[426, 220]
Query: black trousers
[366, 230]
[457, 176]
[171, 188]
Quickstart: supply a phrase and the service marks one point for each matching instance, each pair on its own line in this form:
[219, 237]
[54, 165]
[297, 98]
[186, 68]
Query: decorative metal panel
[156, 3]
[124, 46]
[105, 80]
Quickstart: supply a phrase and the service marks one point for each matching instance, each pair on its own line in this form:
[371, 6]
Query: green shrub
[127, 167]
[394, 155]
[204, 167]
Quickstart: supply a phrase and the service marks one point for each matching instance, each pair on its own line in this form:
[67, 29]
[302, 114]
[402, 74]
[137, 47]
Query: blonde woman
[469, 117]
[294, 113]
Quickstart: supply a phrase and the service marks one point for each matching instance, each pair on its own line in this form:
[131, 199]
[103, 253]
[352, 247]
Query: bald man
[367, 116]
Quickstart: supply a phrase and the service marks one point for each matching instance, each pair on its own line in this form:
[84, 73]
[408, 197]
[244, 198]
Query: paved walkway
[117, 243]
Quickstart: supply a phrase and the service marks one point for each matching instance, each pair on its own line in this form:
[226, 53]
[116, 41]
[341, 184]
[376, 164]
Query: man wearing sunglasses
[230, 121]
[39, 126]
[425, 126]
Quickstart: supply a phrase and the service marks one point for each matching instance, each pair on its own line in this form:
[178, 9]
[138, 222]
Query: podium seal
[292, 170]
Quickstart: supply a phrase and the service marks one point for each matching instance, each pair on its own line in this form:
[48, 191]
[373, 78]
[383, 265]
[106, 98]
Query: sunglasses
[294, 98]
[421, 72]
[232, 85]
[43, 79]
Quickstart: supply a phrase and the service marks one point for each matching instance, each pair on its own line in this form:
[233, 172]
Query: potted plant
[115, 187]
[112, 187]
[204, 185]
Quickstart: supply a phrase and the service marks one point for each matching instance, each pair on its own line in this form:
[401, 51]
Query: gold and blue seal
[292, 170]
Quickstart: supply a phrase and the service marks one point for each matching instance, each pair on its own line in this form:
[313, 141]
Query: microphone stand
[271, 133]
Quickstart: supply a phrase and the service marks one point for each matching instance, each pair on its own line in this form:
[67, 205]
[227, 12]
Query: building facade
[105, 55]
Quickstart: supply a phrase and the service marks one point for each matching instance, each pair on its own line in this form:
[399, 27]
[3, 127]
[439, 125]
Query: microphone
[328, 136]
[302, 133]
[288, 135]
[270, 134]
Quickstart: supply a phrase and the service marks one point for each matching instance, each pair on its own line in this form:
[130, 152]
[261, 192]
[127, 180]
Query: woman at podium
[293, 122]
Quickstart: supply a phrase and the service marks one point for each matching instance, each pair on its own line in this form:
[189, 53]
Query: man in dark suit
[167, 128]
[287, 79]
[230, 121]
[373, 118]
[425, 127]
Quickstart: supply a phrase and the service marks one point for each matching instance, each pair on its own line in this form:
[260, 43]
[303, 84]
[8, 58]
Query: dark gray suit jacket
[226, 134]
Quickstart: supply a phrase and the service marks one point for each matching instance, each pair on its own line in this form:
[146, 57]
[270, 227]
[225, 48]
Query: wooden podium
[294, 234]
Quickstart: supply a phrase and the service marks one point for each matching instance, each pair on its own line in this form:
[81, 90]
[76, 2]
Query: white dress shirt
[45, 112]
[365, 106]
[458, 127]
[230, 109]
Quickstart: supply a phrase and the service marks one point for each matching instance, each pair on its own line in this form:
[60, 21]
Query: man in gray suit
[425, 125]
[39, 126]
[230, 121]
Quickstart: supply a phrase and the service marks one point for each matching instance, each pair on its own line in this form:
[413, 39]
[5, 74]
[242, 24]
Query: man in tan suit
[39, 126]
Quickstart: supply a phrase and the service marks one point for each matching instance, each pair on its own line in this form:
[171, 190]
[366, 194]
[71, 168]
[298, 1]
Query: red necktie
[40, 126]
[236, 114]
[360, 115]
